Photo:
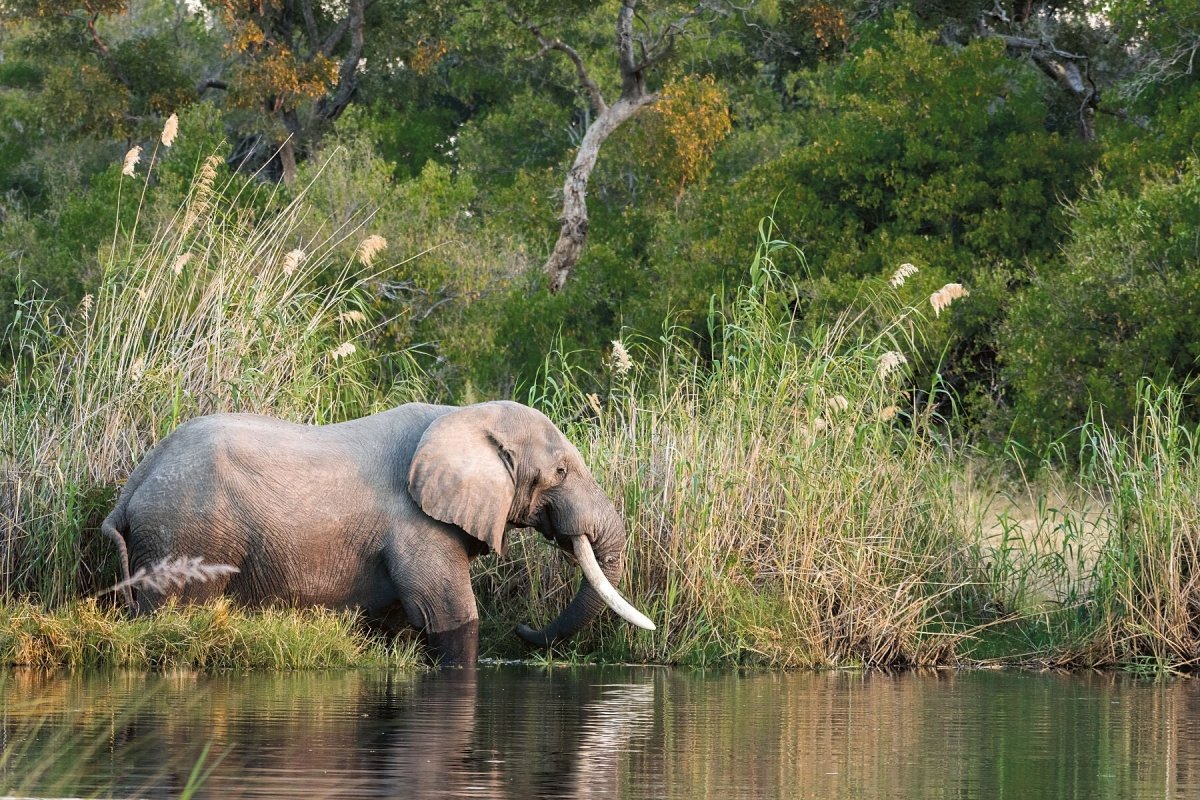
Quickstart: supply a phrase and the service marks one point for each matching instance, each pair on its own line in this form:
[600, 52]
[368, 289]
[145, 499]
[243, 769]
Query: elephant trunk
[602, 571]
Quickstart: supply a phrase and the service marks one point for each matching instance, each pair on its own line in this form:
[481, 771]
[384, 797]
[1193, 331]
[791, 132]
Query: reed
[780, 510]
[219, 308]
[1142, 604]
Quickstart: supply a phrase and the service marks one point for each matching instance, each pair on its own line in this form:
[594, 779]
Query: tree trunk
[287, 162]
[574, 220]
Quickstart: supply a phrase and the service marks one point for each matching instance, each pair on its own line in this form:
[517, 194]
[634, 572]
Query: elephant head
[495, 466]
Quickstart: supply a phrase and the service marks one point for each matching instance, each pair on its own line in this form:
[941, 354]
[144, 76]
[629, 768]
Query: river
[508, 731]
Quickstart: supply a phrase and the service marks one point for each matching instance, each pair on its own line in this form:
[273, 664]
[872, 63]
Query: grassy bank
[213, 637]
[791, 498]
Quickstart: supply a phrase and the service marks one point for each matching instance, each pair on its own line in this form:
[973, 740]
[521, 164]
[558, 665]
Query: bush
[1123, 307]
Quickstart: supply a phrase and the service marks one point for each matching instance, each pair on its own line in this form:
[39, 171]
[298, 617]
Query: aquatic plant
[221, 308]
[215, 636]
[782, 510]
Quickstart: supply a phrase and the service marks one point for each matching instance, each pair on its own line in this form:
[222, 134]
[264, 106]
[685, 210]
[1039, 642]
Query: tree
[1124, 308]
[637, 53]
[298, 63]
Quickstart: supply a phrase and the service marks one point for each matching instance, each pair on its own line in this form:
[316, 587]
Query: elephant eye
[561, 472]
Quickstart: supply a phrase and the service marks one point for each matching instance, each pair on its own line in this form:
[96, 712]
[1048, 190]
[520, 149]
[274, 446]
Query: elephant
[382, 513]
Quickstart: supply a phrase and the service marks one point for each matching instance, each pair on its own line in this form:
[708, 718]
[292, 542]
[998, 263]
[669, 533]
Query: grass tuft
[210, 637]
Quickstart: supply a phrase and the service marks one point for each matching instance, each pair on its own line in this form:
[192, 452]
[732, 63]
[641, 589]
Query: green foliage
[1123, 307]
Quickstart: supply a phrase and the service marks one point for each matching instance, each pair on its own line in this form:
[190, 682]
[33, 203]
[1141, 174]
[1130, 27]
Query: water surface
[521, 732]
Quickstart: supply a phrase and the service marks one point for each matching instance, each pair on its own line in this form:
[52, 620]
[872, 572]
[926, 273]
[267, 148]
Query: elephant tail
[110, 529]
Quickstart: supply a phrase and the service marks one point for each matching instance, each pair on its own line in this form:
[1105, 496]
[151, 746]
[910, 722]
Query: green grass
[211, 637]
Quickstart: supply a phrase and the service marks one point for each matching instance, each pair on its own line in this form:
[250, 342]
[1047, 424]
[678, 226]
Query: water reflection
[525, 732]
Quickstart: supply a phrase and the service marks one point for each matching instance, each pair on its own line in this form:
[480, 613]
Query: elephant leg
[435, 589]
[456, 648]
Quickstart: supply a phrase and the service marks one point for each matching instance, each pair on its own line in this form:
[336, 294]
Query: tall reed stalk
[1143, 610]
[782, 509]
[218, 309]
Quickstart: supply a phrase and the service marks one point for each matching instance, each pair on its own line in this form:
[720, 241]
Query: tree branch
[330, 108]
[1059, 65]
[573, 223]
[100, 45]
[310, 22]
[585, 80]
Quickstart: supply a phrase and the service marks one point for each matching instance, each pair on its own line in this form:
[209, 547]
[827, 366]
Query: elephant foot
[455, 648]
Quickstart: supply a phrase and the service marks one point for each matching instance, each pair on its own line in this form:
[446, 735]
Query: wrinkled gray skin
[382, 513]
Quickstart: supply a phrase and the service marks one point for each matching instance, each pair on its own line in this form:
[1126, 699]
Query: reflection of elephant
[380, 511]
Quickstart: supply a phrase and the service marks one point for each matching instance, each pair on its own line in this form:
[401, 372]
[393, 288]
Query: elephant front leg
[434, 583]
[455, 648]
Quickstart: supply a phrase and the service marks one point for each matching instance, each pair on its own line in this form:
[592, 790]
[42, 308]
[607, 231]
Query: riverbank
[212, 637]
[791, 498]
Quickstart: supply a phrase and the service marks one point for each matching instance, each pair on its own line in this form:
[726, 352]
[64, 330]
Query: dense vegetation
[320, 209]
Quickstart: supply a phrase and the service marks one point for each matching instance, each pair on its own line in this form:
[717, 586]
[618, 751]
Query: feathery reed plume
[889, 362]
[351, 317]
[170, 130]
[168, 573]
[621, 360]
[902, 274]
[888, 412]
[202, 193]
[131, 160]
[181, 261]
[369, 248]
[85, 305]
[342, 351]
[292, 260]
[594, 401]
[837, 404]
[946, 295]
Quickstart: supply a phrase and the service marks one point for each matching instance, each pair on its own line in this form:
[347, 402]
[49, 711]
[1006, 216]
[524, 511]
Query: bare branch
[664, 41]
[100, 45]
[585, 80]
[1059, 65]
[330, 108]
[211, 83]
[310, 22]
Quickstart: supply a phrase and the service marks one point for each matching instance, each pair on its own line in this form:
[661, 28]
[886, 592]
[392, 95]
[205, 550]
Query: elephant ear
[462, 474]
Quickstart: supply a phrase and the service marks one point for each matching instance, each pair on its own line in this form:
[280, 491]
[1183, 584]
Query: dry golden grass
[209, 637]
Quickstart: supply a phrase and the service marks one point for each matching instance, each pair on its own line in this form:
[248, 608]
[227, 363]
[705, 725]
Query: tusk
[591, 571]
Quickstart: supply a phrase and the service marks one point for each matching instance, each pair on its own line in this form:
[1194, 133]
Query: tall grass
[1143, 609]
[218, 309]
[782, 509]
[1108, 571]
